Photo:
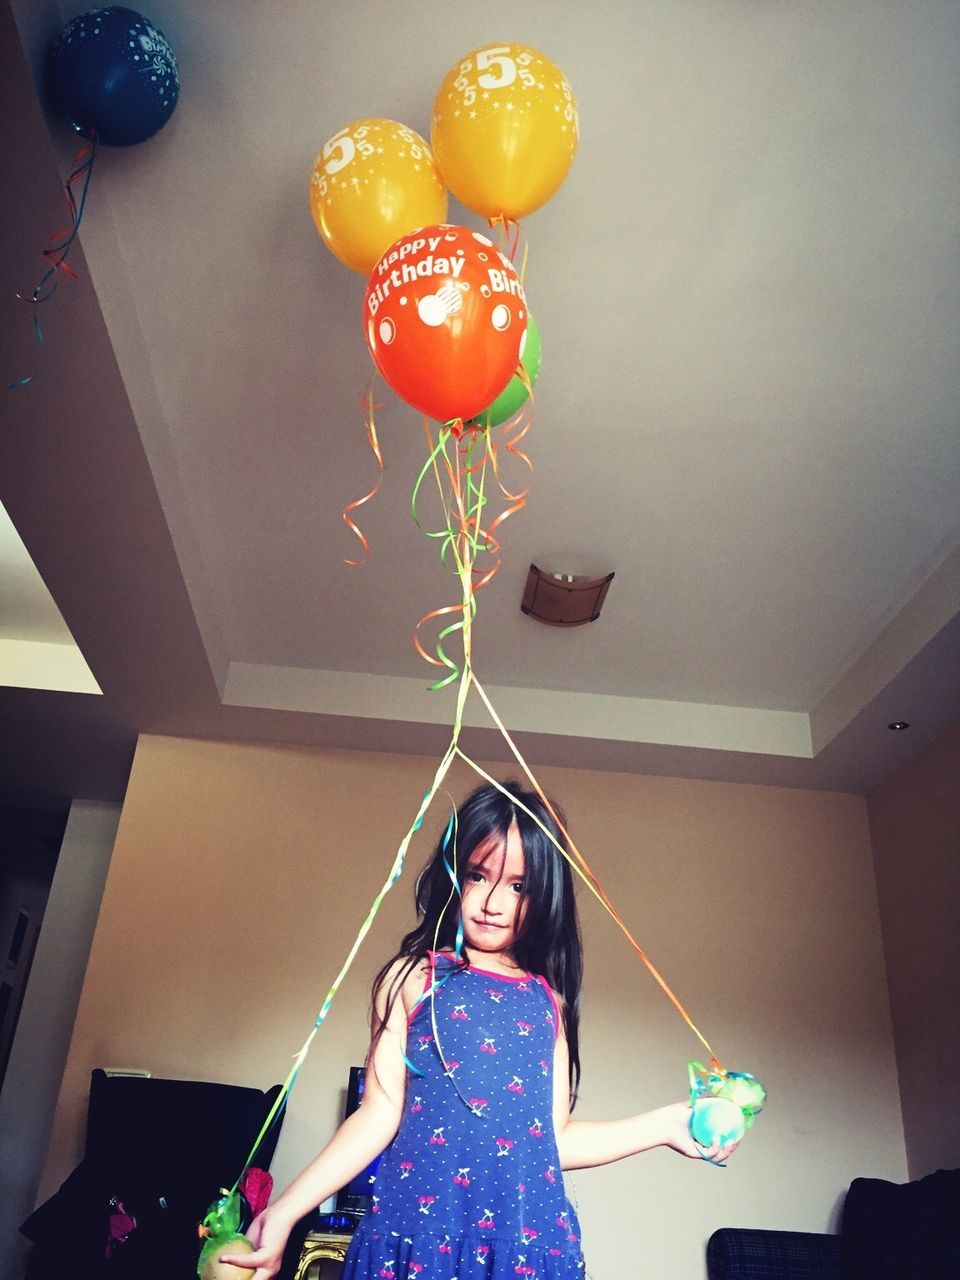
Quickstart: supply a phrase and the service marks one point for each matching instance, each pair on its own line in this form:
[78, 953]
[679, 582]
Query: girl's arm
[585, 1143]
[360, 1138]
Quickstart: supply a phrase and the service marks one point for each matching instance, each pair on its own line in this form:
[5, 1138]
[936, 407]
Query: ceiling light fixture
[898, 725]
[563, 599]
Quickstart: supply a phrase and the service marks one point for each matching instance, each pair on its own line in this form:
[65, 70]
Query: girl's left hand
[677, 1135]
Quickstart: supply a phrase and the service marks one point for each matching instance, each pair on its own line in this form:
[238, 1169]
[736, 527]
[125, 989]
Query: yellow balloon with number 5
[373, 182]
[505, 130]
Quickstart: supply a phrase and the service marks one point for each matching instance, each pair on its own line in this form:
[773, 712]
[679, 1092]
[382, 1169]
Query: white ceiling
[748, 295]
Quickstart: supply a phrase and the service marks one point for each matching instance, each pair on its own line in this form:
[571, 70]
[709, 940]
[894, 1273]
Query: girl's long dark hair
[549, 940]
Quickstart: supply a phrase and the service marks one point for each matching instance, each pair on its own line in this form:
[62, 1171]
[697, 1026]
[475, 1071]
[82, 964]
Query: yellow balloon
[373, 182]
[505, 130]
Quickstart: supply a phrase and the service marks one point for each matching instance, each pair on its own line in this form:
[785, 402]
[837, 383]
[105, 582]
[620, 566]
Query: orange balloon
[505, 130]
[445, 319]
[373, 182]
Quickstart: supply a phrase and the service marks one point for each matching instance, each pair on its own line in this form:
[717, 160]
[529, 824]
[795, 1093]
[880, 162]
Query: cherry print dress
[471, 1188]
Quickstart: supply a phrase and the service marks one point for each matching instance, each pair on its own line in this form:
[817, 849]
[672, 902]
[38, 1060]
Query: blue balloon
[114, 75]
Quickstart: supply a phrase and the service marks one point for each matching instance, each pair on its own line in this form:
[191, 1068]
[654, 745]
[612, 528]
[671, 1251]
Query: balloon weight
[716, 1121]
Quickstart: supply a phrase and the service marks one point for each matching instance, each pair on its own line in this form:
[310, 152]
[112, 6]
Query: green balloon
[514, 395]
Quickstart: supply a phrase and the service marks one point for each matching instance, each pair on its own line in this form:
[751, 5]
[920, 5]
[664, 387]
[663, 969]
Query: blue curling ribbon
[458, 947]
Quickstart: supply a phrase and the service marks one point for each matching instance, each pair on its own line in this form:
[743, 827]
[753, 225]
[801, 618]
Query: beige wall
[241, 874]
[33, 1079]
[915, 828]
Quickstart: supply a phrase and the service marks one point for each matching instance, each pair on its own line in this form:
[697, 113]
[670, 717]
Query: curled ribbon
[61, 242]
[464, 536]
[369, 406]
[509, 235]
[459, 459]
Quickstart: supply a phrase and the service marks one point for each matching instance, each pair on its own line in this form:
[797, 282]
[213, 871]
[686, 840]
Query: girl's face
[492, 903]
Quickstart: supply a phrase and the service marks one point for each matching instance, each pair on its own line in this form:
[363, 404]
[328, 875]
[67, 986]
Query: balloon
[445, 317]
[372, 183]
[515, 394]
[114, 75]
[716, 1121]
[505, 130]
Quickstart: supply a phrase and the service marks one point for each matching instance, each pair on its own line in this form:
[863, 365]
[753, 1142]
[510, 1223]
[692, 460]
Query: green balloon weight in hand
[516, 393]
[724, 1103]
[220, 1232]
[716, 1122]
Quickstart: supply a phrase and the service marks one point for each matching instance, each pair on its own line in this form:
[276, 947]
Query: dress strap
[555, 1004]
[435, 978]
[427, 983]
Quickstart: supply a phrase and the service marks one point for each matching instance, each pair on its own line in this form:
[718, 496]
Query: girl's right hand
[677, 1135]
[268, 1234]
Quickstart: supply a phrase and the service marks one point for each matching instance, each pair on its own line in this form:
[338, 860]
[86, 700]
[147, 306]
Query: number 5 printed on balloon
[499, 58]
[373, 181]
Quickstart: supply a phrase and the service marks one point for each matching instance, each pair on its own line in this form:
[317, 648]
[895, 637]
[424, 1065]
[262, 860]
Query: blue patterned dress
[471, 1188]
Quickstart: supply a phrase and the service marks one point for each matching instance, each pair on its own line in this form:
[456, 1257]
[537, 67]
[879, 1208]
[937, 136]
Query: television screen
[354, 1198]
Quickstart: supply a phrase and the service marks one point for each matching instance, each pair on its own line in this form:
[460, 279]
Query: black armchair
[888, 1232]
[161, 1147]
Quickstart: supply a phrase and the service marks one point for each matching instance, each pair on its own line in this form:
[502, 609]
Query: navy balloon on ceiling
[114, 75]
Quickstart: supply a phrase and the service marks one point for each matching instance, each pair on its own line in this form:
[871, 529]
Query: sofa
[888, 1231]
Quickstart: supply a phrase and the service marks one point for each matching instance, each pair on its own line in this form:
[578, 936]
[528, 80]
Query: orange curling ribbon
[511, 241]
[512, 432]
[368, 405]
[509, 236]
[441, 659]
[56, 253]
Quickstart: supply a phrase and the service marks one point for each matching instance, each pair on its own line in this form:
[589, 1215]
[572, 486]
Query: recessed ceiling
[748, 296]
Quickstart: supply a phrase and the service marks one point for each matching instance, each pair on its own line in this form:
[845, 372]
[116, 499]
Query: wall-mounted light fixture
[563, 599]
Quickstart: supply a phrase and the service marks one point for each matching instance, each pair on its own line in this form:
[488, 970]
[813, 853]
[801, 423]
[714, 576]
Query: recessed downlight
[898, 725]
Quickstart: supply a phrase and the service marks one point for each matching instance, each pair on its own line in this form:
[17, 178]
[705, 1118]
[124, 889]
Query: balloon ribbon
[61, 242]
[368, 404]
[460, 457]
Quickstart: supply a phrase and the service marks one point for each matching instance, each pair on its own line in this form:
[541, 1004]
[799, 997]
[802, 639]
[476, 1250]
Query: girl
[472, 1073]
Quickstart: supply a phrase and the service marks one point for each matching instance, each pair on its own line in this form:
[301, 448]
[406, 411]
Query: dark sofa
[161, 1147]
[888, 1231]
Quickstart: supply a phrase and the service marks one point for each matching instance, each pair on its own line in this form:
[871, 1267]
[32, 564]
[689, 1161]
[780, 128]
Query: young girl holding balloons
[471, 1074]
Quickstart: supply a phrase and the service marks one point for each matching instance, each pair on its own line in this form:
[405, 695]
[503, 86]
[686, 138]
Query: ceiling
[749, 406]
